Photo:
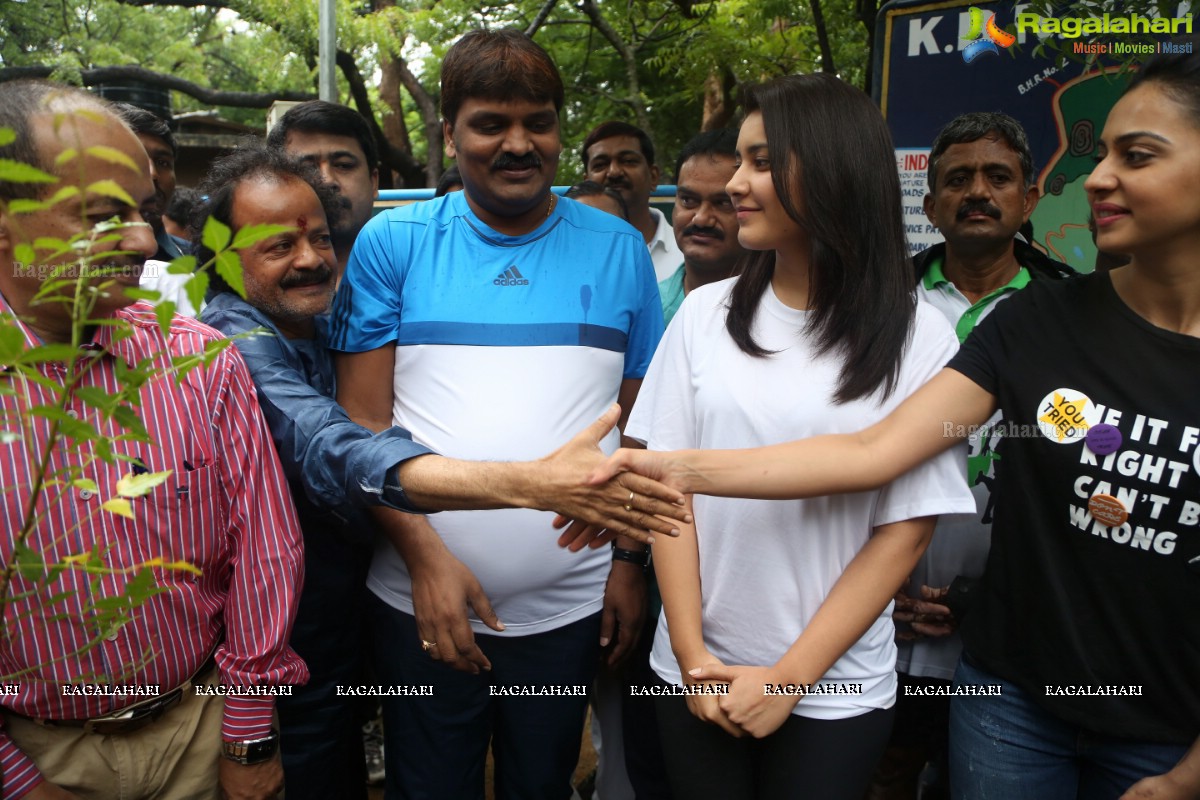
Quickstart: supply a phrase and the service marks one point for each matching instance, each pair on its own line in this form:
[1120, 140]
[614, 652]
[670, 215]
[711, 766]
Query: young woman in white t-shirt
[788, 601]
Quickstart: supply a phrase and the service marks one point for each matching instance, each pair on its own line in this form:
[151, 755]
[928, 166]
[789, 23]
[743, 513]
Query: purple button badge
[1103, 439]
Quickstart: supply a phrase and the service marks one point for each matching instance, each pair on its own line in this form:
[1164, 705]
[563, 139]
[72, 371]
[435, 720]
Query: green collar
[935, 277]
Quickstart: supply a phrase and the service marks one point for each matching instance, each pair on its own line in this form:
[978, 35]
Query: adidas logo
[511, 277]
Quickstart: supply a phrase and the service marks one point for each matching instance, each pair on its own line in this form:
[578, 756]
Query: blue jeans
[435, 747]
[1007, 747]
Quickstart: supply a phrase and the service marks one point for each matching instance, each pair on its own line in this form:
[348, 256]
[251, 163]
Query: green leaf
[138, 293]
[216, 235]
[127, 418]
[49, 353]
[24, 253]
[119, 506]
[7, 136]
[138, 485]
[229, 267]
[96, 397]
[55, 246]
[12, 344]
[77, 430]
[196, 287]
[252, 234]
[28, 561]
[112, 156]
[85, 483]
[110, 188]
[182, 566]
[65, 156]
[19, 172]
[184, 265]
[165, 313]
[24, 206]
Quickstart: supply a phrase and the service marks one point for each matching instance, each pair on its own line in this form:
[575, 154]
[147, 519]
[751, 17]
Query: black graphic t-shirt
[1091, 596]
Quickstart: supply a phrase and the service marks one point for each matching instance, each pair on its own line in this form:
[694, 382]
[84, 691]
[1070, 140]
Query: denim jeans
[1007, 747]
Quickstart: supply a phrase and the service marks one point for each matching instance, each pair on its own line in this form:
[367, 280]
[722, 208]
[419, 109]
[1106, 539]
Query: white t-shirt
[664, 250]
[766, 566]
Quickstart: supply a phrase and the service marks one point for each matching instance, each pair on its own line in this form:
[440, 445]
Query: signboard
[935, 61]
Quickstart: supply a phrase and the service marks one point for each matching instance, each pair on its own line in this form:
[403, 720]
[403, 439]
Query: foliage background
[672, 66]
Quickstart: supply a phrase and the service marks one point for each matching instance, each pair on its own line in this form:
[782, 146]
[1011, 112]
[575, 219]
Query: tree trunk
[718, 100]
[827, 64]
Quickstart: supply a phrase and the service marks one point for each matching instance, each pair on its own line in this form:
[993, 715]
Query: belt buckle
[134, 718]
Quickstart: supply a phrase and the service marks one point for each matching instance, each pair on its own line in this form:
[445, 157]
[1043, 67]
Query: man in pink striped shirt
[94, 712]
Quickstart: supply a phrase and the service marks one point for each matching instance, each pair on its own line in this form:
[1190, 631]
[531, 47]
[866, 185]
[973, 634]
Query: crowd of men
[468, 337]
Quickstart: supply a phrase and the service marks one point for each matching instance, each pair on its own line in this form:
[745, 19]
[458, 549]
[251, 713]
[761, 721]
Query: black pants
[435, 746]
[806, 759]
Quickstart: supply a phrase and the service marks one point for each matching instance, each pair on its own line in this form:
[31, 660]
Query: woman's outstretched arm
[934, 418]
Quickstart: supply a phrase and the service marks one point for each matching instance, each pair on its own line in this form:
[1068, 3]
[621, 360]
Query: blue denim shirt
[340, 465]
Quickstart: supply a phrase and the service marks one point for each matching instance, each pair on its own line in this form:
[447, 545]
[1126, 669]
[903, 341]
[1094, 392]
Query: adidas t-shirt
[506, 346]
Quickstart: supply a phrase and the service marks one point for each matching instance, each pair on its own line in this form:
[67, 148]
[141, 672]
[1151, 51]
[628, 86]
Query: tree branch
[542, 15]
[628, 57]
[822, 37]
[92, 77]
[394, 157]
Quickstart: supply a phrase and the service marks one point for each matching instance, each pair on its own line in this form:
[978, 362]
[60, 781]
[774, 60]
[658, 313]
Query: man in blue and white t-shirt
[492, 324]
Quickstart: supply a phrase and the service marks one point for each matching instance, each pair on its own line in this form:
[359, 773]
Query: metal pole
[327, 50]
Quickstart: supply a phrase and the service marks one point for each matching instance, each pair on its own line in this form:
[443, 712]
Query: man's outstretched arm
[627, 505]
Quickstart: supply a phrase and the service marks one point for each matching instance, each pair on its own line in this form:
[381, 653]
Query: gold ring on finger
[629, 503]
[427, 645]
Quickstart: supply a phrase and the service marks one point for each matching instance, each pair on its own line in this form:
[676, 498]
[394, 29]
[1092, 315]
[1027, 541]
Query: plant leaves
[12, 343]
[182, 566]
[196, 288]
[229, 267]
[165, 312]
[216, 235]
[252, 234]
[138, 485]
[110, 188]
[183, 265]
[119, 506]
[20, 172]
[112, 155]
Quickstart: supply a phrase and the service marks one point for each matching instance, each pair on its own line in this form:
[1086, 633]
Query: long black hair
[861, 298]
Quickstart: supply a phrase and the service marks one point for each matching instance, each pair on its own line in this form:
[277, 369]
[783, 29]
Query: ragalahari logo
[988, 35]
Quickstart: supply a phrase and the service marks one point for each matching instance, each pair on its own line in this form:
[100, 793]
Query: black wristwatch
[255, 751]
[639, 557]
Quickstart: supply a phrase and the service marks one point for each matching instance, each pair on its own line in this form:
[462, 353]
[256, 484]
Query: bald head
[22, 105]
[99, 173]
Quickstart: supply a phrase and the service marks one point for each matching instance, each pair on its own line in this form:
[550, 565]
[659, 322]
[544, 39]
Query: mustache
[509, 161]
[308, 277]
[977, 207]
[696, 230]
[615, 182]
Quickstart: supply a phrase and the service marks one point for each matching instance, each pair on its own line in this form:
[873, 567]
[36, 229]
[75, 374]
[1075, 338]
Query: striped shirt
[225, 509]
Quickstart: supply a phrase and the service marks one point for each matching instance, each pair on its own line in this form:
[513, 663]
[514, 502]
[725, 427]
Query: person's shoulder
[929, 324]
[1040, 264]
[231, 315]
[147, 329]
[711, 299]
[1042, 294]
[437, 211]
[593, 220]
